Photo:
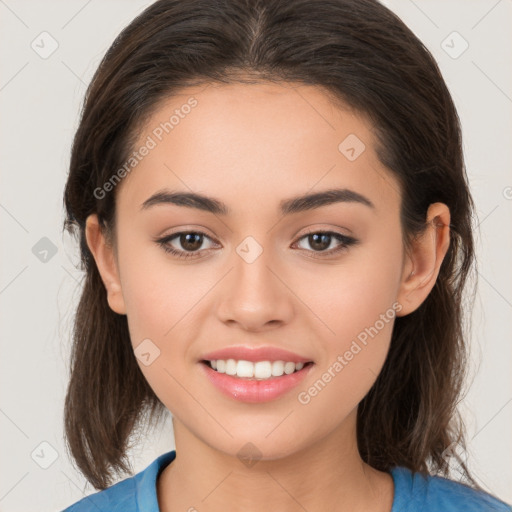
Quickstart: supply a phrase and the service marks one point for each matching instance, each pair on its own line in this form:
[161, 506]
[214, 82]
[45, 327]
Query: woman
[275, 225]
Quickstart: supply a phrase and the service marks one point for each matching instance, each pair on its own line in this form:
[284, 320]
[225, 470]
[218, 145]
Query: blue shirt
[413, 493]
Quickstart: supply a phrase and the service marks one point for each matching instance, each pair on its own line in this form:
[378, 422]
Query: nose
[254, 296]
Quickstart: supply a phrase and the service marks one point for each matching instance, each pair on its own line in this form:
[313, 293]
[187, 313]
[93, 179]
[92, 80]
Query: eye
[191, 242]
[321, 241]
[325, 243]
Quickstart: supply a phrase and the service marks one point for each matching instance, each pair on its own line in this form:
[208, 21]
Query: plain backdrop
[40, 98]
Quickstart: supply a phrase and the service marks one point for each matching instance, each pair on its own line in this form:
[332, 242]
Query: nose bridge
[252, 273]
[253, 295]
[253, 280]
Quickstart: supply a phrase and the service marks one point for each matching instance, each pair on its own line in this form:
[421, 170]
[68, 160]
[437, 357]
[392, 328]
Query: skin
[252, 146]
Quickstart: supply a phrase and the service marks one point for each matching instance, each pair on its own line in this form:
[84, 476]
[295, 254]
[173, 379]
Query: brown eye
[319, 241]
[191, 241]
[185, 244]
[324, 242]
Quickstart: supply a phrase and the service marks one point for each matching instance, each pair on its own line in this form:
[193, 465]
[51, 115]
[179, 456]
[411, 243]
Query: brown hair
[365, 56]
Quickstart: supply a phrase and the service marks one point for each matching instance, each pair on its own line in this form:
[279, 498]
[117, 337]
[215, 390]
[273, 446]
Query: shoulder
[120, 496]
[134, 494]
[426, 493]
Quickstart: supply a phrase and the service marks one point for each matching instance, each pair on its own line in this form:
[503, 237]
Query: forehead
[249, 142]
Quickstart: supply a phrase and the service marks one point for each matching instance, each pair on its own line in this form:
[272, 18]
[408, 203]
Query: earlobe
[104, 257]
[424, 261]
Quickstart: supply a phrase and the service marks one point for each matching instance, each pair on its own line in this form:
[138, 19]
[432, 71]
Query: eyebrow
[288, 206]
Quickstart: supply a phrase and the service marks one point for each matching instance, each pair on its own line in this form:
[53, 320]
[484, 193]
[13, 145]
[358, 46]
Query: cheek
[165, 303]
[160, 298]
[154, 292]
[353, 294]
[355, 304]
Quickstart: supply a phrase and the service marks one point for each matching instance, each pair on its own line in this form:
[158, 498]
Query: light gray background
[40, 101]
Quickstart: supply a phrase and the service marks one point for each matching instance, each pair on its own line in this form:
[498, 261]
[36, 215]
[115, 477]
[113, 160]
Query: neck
[327, 475]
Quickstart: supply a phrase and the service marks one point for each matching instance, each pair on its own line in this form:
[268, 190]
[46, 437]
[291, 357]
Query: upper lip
[254, 354]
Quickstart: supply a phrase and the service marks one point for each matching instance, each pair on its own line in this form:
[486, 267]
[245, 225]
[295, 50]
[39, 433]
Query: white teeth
[260, 370]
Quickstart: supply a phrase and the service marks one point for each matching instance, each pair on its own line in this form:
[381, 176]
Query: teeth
[260, 370]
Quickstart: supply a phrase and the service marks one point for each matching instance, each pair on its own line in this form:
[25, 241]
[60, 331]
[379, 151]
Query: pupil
[191, 241]
[319, 240]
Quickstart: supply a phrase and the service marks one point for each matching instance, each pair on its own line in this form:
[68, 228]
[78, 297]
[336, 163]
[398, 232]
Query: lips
[254, 354]
[255, 391]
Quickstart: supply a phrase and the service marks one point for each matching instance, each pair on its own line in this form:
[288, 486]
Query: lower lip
[255, 391]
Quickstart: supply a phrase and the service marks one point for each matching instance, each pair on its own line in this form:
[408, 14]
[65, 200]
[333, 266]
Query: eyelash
[346, 242]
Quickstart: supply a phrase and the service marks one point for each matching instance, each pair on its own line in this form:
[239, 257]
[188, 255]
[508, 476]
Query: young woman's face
[257, 275]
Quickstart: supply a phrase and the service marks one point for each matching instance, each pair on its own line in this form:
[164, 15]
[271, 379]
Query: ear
[422, 264]
[104, 256]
